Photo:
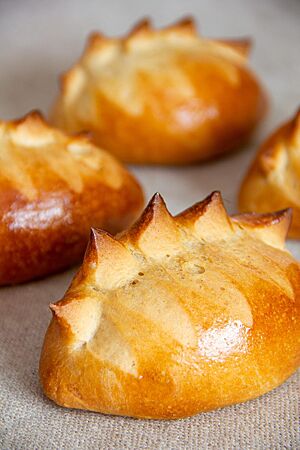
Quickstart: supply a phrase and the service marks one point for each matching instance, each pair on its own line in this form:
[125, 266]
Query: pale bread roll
[176, 316]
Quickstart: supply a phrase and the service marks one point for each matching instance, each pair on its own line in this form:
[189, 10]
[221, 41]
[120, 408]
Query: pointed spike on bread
[58, 313]
[271, 228]
[140, 31]
[243, 45]
[143, 25]
[96, 41]
[32, 118]
[32, 130]
[99, 48]
[69, 316]
[207, 219]
[108, 261]
[186, 24]
[95, 38]
[145, 30]
[295, 135]
[156, 233]
[72, 82]
[90, 260]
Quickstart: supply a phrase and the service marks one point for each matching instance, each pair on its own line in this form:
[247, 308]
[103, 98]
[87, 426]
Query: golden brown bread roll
[273, 180]
[164, 96]
[176, 316]
[53, 188]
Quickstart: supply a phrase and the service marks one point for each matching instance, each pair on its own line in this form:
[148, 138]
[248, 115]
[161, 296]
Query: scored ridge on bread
[237, 49]
[206, 221]
[177, 315]
[186, 26]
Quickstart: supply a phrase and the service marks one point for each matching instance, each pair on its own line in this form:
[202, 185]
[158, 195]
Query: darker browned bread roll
[53, 188]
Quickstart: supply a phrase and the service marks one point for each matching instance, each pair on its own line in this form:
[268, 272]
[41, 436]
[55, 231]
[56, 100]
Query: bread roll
[164, 96]
[273, 181]
[176, 316]
[53, 188]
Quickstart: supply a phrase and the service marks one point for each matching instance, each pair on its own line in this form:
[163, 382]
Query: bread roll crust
[53, 188]
[164, 96]
[177, 316]
[273, 180]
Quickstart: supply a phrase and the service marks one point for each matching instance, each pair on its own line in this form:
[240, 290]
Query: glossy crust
[176, 316]
[53, 188]
[273, 180]
[164, 96]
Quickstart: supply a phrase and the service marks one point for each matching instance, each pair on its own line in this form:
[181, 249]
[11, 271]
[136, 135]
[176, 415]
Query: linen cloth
[39, 40]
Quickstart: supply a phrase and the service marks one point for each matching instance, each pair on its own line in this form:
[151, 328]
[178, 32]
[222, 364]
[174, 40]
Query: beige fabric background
[38, 40]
